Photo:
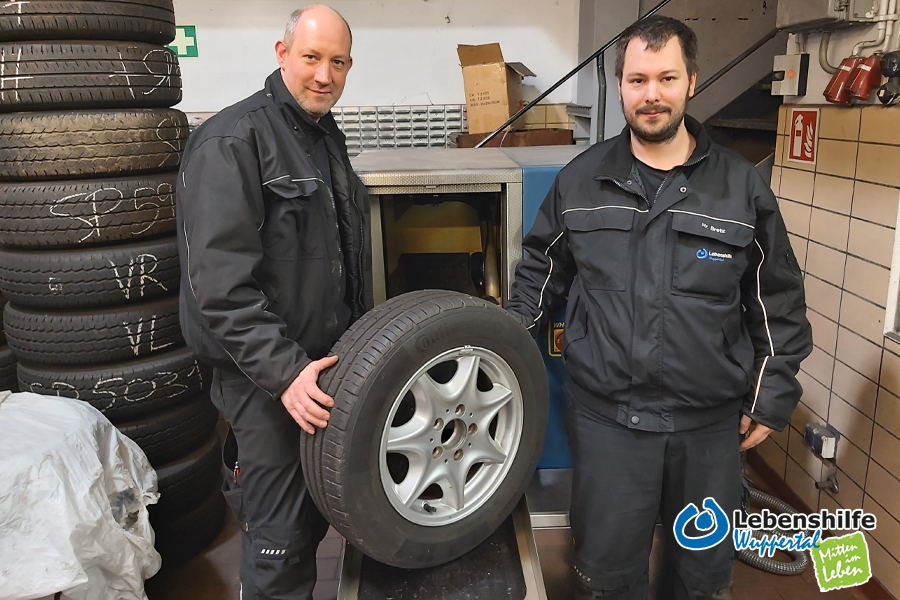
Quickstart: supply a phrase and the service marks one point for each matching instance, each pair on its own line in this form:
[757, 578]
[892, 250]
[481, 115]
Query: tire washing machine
[454, 219]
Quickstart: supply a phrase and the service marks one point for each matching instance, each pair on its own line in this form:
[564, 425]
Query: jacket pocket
[576, 320]
[738, 347]
[295, 222]
[709, 256]
[599, 240]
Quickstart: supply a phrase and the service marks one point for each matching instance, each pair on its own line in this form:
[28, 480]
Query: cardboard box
[493, 86]
[531, 137]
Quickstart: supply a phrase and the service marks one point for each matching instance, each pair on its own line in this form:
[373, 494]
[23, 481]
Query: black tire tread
[315, 456]
[41, 146]
[150, 21]
[186, 481]
[174, 432]
[85, 74]
[86, 212]
[96, 337]
[311, 446]
[8, 379]
[125, 390]
[347, 384]
[180, 537]
[100, 276]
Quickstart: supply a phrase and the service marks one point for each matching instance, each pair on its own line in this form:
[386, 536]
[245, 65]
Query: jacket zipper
[334, 214]
[362, 242]
[362, 238]
[635, 192]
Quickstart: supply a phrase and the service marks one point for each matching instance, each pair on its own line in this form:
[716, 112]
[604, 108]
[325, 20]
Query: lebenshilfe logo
[703, 253]
[712, 520]
[840, 562]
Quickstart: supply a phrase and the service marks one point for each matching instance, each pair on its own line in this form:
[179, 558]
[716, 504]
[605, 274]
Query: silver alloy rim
[458, 438]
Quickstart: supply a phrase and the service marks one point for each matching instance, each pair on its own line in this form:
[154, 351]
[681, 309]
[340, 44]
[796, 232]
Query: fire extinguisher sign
[804, 135]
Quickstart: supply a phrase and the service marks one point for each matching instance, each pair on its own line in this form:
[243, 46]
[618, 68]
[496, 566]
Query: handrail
[762, 42]
[601, 73]
[566, 77]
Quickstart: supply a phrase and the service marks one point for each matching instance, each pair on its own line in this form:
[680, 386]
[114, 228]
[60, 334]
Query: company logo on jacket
[703, 253]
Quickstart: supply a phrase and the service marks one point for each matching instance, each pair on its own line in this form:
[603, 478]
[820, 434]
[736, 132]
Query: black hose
[799, 561]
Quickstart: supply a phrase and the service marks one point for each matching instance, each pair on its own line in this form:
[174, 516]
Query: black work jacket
[263, 244]
[680, 313]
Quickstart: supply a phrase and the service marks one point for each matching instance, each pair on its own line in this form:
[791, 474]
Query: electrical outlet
[822, 440]
[789, 74]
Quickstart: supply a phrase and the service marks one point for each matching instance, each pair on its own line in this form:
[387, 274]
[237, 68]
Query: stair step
[756, 124]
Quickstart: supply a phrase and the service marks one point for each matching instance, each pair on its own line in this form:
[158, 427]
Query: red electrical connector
[868, 78]
[838, 90]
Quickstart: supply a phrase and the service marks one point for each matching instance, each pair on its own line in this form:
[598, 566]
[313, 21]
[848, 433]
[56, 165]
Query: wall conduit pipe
[823, 54]
[892, 18]
[882, 19]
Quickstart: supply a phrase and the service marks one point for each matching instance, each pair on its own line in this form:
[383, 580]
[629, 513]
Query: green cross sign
[185, 42]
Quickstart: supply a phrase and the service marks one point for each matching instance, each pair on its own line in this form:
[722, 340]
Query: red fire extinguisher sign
[804, 135]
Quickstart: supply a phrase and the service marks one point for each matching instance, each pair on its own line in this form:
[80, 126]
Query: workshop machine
[455, 219]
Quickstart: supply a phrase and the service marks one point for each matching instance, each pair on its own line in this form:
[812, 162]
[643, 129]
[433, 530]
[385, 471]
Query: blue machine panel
[536, 182]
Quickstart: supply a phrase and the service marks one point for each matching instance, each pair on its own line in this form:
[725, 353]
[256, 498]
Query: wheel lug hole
[448, 411]
[439, 424]
[461, 410]
[470, 444]
[437, 452]
[458, 455]
[473, 428]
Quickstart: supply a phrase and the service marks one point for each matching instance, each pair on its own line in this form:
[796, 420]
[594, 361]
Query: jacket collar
[619, 161]
[298, 118]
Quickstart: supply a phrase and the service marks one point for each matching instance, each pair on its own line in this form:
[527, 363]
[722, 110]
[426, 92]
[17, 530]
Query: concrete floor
[213, 575]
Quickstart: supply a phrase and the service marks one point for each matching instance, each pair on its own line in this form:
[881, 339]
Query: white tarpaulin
[73, 503]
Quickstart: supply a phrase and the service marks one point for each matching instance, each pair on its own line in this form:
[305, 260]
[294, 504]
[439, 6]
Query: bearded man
[685, 327]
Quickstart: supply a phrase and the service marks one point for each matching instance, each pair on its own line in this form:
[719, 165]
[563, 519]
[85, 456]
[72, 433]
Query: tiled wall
[841, 214]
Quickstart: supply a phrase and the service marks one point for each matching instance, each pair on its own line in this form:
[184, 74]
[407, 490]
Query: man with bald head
[273, 231]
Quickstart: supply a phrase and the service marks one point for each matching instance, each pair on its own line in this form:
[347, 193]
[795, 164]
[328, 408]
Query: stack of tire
[89, 151]
[8, 379]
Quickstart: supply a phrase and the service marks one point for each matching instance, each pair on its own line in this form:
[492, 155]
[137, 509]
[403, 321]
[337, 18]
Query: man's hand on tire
[304, 400]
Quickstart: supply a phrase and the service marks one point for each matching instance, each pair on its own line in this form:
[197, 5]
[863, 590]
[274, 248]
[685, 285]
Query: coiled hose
[799, 561]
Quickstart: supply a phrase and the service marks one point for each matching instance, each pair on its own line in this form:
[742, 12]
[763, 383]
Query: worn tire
[96, 337]
[125, 390]
[150, 21]
[183, 536]
[8, 379]
[63, 145]
[382, 351]
[83, 75]
[86, 212]
[100, 276]
[186, 481]
[173, 432]
[311, 449]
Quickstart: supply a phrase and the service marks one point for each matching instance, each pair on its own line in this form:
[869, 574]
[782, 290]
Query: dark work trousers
[281, 527]
[623, 479]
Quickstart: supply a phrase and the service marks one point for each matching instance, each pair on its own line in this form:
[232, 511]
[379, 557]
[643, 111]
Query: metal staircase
[738, 41]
